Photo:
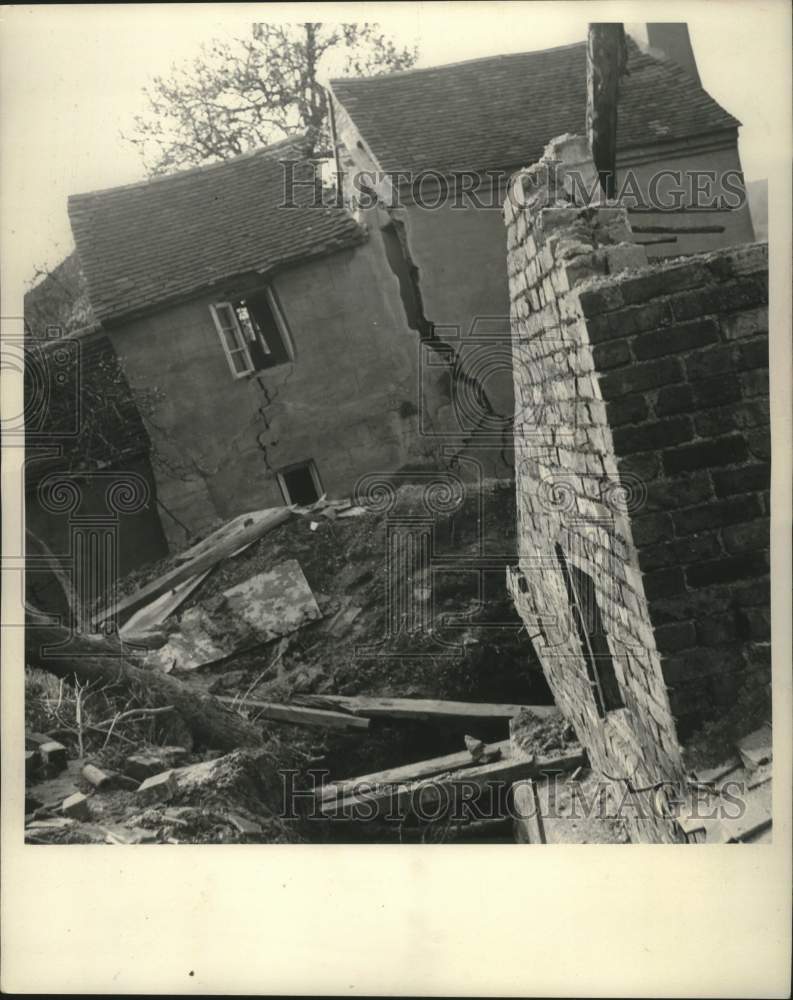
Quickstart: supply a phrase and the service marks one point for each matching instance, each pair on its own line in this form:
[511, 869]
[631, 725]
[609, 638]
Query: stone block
[664, 583]
[715, 360]
[698, 302]
[96, 776]
[741, 538]
[158, 788]
[76, 807]
[53, 756]
[627, 410]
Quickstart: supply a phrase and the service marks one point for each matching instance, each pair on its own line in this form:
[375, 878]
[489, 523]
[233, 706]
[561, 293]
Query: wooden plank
[504, 772]
[421, 708]
[263, 521]
[412, 772]
[298, 715]
[678, 229]
[155, 613]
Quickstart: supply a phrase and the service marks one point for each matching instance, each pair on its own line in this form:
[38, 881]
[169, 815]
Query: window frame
[228, 306]
[313, 472]
[578, 612]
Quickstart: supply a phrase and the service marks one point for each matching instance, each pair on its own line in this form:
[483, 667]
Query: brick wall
[682, 356]
[641, 461]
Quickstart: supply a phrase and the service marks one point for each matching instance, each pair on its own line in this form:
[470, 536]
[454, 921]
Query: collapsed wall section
[578, 585]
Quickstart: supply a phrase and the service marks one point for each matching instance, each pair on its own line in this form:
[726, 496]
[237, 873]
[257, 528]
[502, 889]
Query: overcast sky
[72, 78]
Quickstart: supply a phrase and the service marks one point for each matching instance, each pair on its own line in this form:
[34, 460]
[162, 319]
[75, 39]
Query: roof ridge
[262, 151]
[450, 65]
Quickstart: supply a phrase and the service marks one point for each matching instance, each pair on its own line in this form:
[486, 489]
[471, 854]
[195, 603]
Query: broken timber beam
[412, 772]
[298, 715]
[505, 772]
[213, 554]
[421, 708]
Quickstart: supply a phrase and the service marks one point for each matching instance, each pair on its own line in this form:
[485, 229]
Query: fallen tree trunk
[90, 661]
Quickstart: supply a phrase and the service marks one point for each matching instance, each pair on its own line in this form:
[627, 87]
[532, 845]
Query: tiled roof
[500, 112]
[145, 244]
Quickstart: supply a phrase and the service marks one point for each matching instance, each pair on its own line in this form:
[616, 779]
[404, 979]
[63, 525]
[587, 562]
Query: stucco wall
[349, 401]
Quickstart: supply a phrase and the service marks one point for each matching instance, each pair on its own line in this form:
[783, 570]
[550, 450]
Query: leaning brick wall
[682, 356]
[569, 490]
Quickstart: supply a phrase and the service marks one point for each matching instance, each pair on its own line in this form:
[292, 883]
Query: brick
[629, 410]
[740, 538]
[664, 583]
[611, 354]
[716, 629]
[657, 434]
[754, 623]
[32, 762]
[715, 422]
[53, 755]
[753, 413]
[711, 361]
[675, 339]
[758, 592]
[747, 479]
[651, 528]
[657, 556]
[697, 547]
[760, 444]
[731, 510]
[754, 354]
[672, 638]
[727, 569]
[96, 776]
[625, 322]
[716, 391]
[698, 302]
[674, 399]
[604, 298]
[744, 293]
[644, 466]
[745, 324]
[754, 383]
[157, 788]
[706, 454]
[751, 258]
[143, 765]
[666, 494]
[76, 806]
[649, 375]
[663, 280]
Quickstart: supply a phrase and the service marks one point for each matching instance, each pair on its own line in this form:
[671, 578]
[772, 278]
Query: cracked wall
[354, 399]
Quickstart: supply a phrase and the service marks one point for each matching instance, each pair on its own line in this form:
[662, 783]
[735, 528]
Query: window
[592, 636]
[300, 484]
[252, 332]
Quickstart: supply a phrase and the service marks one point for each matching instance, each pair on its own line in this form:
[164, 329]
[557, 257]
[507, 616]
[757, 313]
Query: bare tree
[252, 91]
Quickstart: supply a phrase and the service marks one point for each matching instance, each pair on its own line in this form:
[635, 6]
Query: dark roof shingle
[501, 111]
[146, 244]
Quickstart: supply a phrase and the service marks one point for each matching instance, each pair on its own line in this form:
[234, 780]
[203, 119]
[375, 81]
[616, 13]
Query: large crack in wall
[406, 271]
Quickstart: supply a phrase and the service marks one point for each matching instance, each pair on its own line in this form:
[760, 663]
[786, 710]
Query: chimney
[671, 39]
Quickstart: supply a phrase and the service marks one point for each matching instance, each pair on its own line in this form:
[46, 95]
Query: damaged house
[440, 144]
[276, 338]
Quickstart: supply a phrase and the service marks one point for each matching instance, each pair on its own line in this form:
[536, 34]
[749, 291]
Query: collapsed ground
[345, 652]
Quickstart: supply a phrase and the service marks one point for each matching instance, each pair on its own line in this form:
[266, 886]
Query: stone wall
[641, 451]
[682, 356]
